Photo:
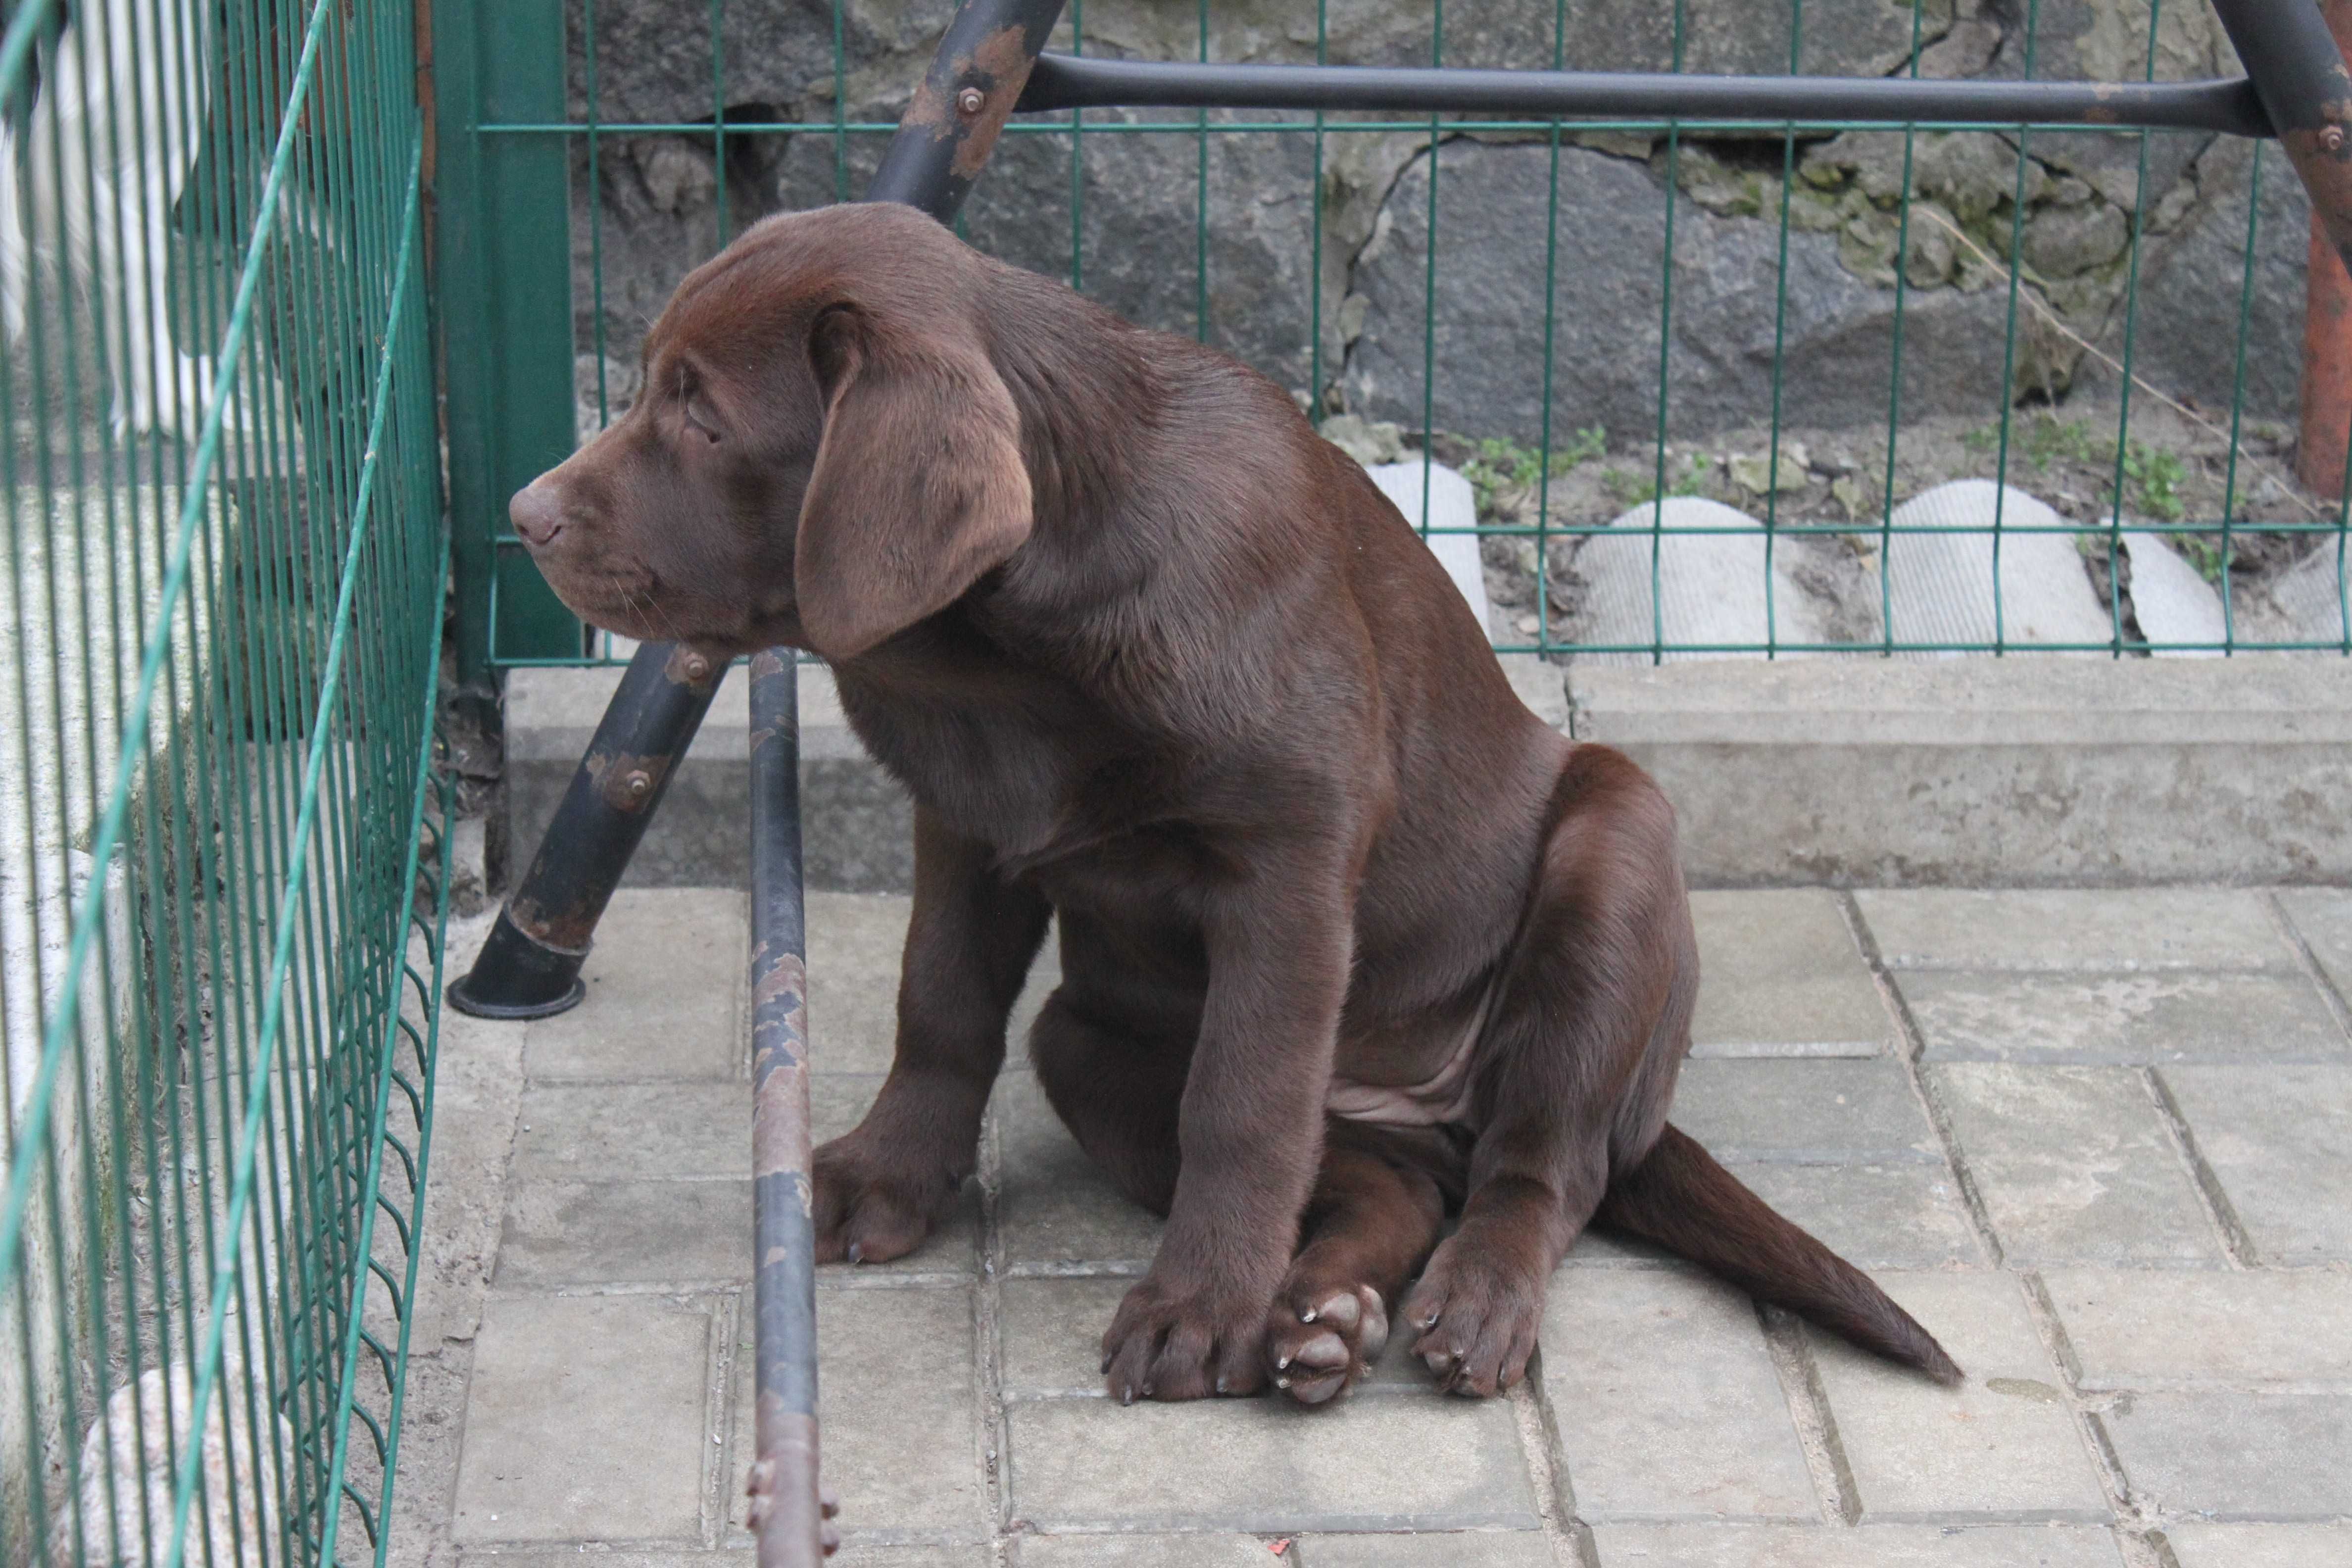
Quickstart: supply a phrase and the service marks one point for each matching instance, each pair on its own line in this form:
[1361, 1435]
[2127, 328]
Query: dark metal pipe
[950, 126]
[529, 967]
[2306, 91]
[1062, 81]
[787, 1514]
[942, 143]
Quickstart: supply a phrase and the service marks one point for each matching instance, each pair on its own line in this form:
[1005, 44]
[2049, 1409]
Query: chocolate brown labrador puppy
[1350, 939]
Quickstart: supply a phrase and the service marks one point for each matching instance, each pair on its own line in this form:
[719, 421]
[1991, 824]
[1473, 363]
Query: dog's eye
[698, 417]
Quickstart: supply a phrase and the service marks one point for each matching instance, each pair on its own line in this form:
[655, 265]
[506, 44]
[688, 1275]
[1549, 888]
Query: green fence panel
[503, 283]
[221, 850]
[1599, 324]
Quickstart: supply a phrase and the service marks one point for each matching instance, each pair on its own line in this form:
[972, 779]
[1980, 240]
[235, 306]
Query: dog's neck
[1086, 393]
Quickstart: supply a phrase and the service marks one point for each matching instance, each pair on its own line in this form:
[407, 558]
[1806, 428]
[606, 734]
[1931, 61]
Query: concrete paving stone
[894, 1391]
[1206, 1551]
[2046, 929]
[1053, 1207]
[665, 979]
[1265, 1467]
[2281, 1143]
[635, 1131]
[1595, 1248]
[2073, 1164]
[1050, 1332]
[741, 1556]
[856, 941]
[1810, 1112]
[2323, 917]
[2174, 1017]
[2001, 1446]
[1665, 1401]
[558, 1234]
[1870, 1546]
[1904, 1216]
[1781, 975]
[2237, 1454]
[1462, 1549]
[2260, 1545]
[569, 1556]
[2148, 1330]
[585, 1420]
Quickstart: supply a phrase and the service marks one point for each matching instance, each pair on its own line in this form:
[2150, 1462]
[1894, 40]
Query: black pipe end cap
[463, 995]
[516, 977]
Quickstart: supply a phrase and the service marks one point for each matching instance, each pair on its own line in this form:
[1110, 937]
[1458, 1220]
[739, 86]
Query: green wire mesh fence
[221, 865]
[1679, 387]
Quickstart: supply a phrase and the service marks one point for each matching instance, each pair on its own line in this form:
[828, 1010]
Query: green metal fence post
[504, 281]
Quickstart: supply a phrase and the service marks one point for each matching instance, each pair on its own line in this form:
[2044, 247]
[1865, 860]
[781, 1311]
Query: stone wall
[1504, 206]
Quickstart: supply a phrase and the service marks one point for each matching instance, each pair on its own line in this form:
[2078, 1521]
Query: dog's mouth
[627, 600]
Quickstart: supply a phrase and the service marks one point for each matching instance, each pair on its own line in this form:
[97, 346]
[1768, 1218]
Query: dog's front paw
[1477, 1315]
[1323, 1335]
[875, 1202]
[1176, 1343]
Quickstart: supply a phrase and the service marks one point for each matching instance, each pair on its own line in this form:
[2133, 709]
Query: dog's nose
[535, 515]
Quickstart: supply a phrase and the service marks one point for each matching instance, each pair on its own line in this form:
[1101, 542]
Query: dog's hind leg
[1379, 1203]
[1579, 1059]
[1117, 1091]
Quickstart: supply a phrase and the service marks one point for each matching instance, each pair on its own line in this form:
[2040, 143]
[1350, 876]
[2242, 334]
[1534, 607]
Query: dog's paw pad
[1323, 1340]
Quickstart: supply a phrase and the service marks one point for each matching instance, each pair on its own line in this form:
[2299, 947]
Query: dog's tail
[1680, 1198]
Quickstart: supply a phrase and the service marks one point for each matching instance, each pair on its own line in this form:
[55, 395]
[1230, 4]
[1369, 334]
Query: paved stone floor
[2100, 1142]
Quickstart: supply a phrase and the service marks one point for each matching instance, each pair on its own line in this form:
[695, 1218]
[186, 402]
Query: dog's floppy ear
[918, 486]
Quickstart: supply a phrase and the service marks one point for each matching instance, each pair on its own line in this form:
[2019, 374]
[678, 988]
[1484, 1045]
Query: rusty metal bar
[787, 1515]
[529, 967]
[2306, 93]
[2326, 400]
[942, 143]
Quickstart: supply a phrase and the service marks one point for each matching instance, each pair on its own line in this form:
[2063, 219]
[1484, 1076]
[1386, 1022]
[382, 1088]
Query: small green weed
[2156, 474]
[2203, 553]
[1501, 467]
[1630, 489]
[2045, 439]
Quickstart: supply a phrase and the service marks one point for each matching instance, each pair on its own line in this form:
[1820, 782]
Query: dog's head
[823, 454]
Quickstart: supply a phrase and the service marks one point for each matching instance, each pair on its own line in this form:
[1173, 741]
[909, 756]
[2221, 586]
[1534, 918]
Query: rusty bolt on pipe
[969, 101]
